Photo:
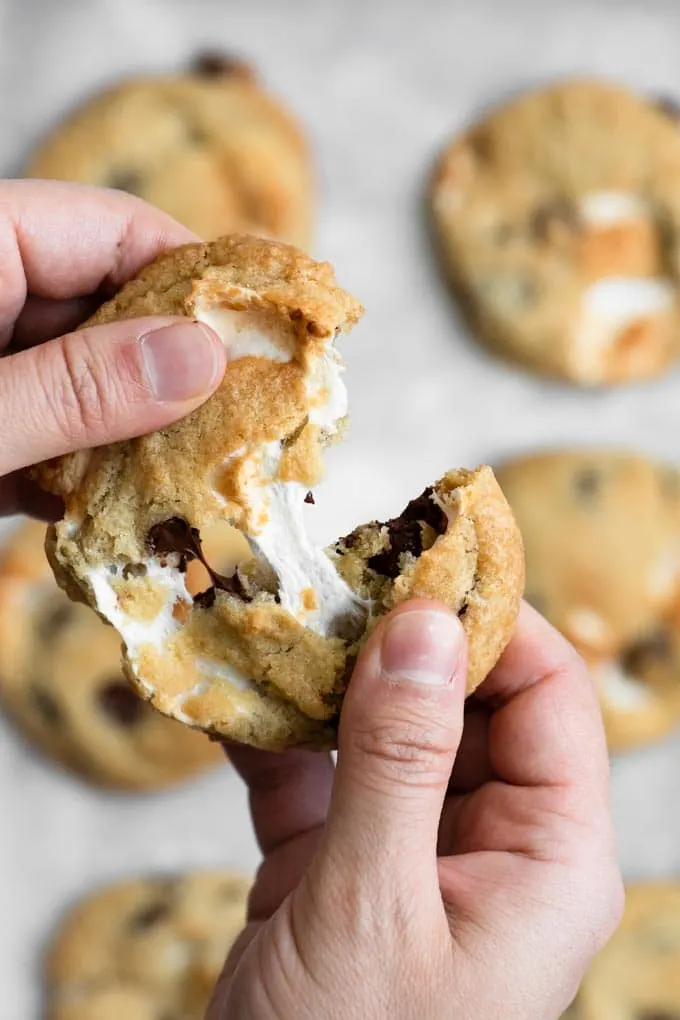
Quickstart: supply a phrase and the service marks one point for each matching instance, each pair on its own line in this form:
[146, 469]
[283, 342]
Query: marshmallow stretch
[263, 653]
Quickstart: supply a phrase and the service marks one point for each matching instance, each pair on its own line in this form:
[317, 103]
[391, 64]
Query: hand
[412, 888]
[63, 250]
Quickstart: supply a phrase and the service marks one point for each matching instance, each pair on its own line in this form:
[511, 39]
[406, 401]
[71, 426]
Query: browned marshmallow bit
[262, 653]
[558, 217]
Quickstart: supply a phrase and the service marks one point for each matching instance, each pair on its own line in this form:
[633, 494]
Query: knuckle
[82, 392]
[403, 750]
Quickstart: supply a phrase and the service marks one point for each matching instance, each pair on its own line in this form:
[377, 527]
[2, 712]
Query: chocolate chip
[587, 483]
[177, 536]
[309, 498]
[151, 915]
[213, 64]
[134, 570]
[657, 1014]
[47, 706]
[560, 211]
[119, 702]
[123, 180]
[668, 105]
[205, 599]
[652, 649]
[55, 619]
[405, 533]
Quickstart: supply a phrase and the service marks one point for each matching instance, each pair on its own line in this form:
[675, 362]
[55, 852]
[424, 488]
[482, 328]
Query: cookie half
[637, 975]
[263, 654]
[61, 682]
[145, 949]
[601, 533]
[210, 147]
[558, 217]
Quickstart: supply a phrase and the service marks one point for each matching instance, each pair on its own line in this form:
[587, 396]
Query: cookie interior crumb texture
[145, 949]
[558, 217]
[262, 654]
[208, 146]
[61, 680]
[602, 542]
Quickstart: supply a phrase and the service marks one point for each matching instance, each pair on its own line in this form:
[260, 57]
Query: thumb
[103, 384]
[400, 728]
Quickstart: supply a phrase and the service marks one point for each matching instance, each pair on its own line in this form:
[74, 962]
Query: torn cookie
[262, 654]
[62, 685]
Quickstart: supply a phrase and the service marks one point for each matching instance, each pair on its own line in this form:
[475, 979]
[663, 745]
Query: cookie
[637, 975]
[558, 217]
[61, 679]
[209, 147]
[602, 543]
[263, 655]
[145, 949]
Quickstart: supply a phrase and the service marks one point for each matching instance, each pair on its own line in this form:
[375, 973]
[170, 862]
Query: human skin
[460, 861]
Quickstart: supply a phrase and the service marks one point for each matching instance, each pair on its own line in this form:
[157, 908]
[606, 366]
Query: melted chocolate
[561, 211]
[212, 64]
[119, 702]
[405, 533]
[176, 536]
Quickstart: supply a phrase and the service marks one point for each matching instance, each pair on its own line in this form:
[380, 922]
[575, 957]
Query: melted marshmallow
[298, 564]
[251, 334]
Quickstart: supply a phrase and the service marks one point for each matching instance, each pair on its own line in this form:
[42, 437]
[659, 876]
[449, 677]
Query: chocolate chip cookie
[637, 975]
[263, 654]
[210, 147]
[145, 949]
[558, 217]
[602, 542]
[61, 681]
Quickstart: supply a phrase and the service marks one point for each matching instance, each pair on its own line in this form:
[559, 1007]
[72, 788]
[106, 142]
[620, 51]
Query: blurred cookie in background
[208, 146]
[558, 217]
[61, 678]
[145, 949]
[601, 534]
[637, 975]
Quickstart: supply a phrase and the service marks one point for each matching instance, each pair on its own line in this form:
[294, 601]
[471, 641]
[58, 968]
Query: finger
[400, 728]
[61, 240]
[103, 384]
[44, 319]
[472, 767]
[289, 793]
[546, 727]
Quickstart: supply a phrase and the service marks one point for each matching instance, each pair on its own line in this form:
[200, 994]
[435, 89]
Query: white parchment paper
[380, 86]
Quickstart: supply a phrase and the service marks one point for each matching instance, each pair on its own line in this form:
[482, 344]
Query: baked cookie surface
[637, 975]
[262, 655]
[210, 147]
[558, 217]
[145, 949]
[601, 534]
[61, 682]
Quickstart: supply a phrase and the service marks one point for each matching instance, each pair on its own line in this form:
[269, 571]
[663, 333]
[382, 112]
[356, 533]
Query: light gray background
[379, 86]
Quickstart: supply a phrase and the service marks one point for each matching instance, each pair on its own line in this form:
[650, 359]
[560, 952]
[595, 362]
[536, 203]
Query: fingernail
[424, 646]
[182, 361]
